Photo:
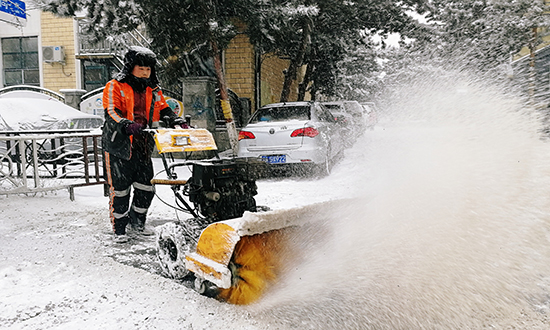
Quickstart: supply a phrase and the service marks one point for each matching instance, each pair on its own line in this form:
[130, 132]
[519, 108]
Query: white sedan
[293, 133]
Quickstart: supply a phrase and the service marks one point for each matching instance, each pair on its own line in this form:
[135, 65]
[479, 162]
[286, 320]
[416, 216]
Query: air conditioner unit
[51, 54]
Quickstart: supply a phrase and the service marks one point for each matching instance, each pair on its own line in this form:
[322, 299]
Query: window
[20, 61]
[324, 114]
[97, 74]
[283, 113]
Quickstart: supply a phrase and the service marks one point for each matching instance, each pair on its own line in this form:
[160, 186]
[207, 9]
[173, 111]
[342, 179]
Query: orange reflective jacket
[117, 95]
[118, 102]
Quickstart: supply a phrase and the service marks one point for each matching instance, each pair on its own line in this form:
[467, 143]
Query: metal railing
[114, 45]
[38, 161]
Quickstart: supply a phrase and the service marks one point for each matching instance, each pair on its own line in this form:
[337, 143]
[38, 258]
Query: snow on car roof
[284, 104]
[25, 94]
[41, 113]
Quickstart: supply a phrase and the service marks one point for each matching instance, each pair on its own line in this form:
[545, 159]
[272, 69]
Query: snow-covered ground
[59, 268]
[440, 226]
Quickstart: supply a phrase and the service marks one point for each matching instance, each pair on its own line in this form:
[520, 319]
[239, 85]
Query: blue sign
[12, 10]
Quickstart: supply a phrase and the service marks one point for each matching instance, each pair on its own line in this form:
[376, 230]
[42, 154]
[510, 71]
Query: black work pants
[122, 176]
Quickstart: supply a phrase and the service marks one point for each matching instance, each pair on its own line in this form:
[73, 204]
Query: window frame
[23, 67]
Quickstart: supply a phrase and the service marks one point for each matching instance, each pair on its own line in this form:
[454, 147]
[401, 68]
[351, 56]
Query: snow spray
[453, 232]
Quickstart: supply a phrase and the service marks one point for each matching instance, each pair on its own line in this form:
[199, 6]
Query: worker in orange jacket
[133, 101]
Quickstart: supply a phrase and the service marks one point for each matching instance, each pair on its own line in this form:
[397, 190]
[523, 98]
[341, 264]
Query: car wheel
[325, 167]
[172, 247]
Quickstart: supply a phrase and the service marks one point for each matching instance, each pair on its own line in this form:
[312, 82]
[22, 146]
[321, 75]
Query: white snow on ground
[59, 268]
[442, 227]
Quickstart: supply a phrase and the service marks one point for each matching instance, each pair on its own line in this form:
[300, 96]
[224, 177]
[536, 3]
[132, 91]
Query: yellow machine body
[242, 257]
[184, 140]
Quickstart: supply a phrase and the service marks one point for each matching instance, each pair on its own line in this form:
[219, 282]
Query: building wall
[31, 29]
[272, 78]
[240, 67]
[59, 31]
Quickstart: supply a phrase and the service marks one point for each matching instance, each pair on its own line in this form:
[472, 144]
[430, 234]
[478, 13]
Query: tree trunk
[296, 62]
[532, 68]
[302, 87]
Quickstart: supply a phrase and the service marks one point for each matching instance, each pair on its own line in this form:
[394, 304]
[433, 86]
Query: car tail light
[306, 131]
[246, 135]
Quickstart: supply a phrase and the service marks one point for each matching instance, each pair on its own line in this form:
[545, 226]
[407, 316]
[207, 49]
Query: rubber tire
[206, 288]
[325, 168]
[172, 247]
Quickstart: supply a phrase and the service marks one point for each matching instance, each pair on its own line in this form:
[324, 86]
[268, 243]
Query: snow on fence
[38, 161]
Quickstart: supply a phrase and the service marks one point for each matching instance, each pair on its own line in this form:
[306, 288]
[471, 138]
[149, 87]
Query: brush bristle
[258, 263]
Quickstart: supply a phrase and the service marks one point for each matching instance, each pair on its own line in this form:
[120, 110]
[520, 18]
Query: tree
[320, 33]
[473, 39]
[483, 34]
[316, 33]
[359, 74]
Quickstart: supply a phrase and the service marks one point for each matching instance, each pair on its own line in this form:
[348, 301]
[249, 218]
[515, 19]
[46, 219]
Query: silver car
[353, 108]
[303, 134]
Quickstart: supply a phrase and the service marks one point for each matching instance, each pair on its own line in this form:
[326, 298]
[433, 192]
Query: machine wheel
[173, 244]
[206, 288]
[325, 168]
[255, 266]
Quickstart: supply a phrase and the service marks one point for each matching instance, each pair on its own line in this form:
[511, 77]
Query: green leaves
[317, 33]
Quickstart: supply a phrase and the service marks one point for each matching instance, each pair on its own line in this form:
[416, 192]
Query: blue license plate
[274, 159]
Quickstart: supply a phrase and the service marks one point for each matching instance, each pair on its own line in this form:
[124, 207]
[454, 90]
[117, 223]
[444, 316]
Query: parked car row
[371, 114]
[308, 135]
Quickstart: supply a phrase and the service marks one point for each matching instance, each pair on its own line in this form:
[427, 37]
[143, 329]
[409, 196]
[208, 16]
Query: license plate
[274, 159]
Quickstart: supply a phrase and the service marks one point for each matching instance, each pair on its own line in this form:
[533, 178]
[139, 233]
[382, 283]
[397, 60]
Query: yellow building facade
[59, 31]
[253, 75]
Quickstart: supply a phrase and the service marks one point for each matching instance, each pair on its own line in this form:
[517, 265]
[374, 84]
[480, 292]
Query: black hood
[138, 56]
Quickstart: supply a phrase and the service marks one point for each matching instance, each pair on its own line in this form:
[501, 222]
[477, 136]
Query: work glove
[179, 122]
[134, 128]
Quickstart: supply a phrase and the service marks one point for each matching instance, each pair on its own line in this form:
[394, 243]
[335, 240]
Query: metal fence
[38, 161]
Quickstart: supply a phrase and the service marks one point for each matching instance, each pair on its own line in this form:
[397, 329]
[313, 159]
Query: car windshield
[333, 107]
[281, 114]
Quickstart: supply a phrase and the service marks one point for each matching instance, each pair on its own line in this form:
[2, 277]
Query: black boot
[137, 222]
[119, 228]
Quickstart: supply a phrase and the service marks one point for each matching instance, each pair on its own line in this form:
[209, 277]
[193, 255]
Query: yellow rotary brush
[255, 266]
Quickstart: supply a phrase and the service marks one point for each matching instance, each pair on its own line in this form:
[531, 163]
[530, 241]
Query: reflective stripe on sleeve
[111, 107]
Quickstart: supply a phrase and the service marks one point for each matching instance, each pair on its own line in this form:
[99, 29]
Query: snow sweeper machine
[233, 251]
